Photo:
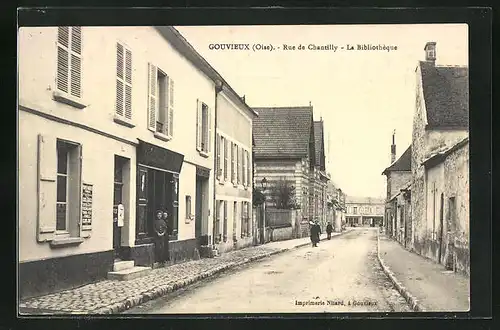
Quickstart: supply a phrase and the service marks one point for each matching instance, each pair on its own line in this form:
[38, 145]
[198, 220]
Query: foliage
[283, 195]
[258, 197]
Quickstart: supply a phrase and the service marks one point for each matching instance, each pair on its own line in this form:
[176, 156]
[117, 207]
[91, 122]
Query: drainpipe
[218, 88]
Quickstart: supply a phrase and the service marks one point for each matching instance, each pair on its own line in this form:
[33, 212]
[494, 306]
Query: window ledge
[203, 154]
[68, 99]
[66, 241]
[162, 136]
[123, 121]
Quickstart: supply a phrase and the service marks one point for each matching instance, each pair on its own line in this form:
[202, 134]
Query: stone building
[397, 213]
[364, 211]
[285, 152]
[108, 143]
[440, 122]
[447, 208]
[320, 178]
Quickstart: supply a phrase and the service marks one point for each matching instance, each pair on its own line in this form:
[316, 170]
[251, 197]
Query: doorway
[198, 208]
[118, 182]
[441, 225]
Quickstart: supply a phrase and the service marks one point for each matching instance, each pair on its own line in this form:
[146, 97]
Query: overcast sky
[362, 96]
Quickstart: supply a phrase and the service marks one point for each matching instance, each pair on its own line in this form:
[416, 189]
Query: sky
[361, 95]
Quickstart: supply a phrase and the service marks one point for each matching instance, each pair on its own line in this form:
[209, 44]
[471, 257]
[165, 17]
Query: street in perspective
[293, 169]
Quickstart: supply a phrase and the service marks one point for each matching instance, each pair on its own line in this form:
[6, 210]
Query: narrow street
[341, 275]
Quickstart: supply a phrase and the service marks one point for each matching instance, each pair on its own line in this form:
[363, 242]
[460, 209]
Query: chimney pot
[430, 51]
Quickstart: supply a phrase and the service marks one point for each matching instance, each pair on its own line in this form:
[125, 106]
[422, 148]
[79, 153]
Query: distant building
[336, 206]
[397, 222]
[364, 211]
[440, 122]
[320, 178]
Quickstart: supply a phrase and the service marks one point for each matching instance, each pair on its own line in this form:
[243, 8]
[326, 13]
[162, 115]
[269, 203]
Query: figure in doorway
[160, 227]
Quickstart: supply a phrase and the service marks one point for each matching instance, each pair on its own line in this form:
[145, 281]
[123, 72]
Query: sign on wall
[86, 205]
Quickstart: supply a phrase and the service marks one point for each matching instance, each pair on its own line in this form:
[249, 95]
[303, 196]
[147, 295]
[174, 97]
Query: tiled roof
[446, 94]
[319, 144]
[282, 132]
[402, 164]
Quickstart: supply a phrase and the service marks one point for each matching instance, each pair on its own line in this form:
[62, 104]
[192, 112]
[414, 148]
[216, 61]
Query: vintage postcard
[243, 169]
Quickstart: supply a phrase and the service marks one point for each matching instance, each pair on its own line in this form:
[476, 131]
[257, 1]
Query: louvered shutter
[217, 146]
[152, 96]
[209, 130]
[76, 61]
[237, 164]
[170, 108]
[249, 170]
[120, 86]
[128, 84]
[244, 161]
[232, 162]
[226, 146]
[62, 82]
[47, 187]
[198, 124]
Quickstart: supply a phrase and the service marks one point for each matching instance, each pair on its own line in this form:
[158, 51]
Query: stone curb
[174, 286]
[410, 299]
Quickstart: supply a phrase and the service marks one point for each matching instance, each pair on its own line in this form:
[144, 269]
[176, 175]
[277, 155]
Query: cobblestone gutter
[411, 300]
[112, 297]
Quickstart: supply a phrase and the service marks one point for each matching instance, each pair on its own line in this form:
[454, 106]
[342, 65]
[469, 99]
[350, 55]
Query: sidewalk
[434, 288]
[110, 297]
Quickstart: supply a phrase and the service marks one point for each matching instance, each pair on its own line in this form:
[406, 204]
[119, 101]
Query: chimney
[393, 147]
[430, 52]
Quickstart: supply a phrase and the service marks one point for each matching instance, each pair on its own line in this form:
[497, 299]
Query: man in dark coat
[315, 232]
[329, 229]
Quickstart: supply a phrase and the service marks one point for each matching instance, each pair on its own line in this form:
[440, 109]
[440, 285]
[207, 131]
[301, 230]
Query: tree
[283, 195]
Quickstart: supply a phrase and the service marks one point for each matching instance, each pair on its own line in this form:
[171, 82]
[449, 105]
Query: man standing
[315, 232]
[329, 229]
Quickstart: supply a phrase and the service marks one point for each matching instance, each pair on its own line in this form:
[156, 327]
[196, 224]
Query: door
[117, 200]
[198, 207]
[441, 225]
[161, 212]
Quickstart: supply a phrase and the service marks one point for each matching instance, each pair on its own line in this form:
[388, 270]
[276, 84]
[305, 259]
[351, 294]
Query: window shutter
[244, 172]
[226, 146]
[238, 160]
[119, 80]
[76, 61]
[128, 84]
[217, 146]
[209, 129]
[152, 93]
[170, 106]
[62, 81]
[47, 187]
[249, 170]
[198, 124]
[232, 162]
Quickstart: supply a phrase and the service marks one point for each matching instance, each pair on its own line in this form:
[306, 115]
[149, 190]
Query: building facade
[233, 226]
[319, 177]
[116, 131]
[335, 206]
[364, 211]
[285, 156]
[397, 215]
[440, 122]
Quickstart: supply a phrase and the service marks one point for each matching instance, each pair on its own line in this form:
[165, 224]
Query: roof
[441, 155]
[282, 132]
[364, 200]
[402, 164]
[175, 38]
[319, 144]
[446, 94]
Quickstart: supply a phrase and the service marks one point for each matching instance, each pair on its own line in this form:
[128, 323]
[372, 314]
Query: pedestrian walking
[160, 227]
[329, 229]
[315, 232]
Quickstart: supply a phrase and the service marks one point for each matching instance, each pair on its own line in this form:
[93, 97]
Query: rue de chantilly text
[300, 47]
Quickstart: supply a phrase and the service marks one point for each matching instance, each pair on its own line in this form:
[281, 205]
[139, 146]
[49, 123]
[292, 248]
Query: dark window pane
[61, 188]
[62, 158]
[118, 171]
[61, 217]
[117, 196]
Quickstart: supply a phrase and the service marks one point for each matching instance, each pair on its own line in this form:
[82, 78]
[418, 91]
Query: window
[69, 61]
[203, 129]
[226, 144]
[68, 188]
[216, 229]
[123, 82]
[160, 102]
[225, 222]
[249, 169]
[238, 160]
[235, 217]
[243, 221]
[244, 165]
[189, 215]
[118, 181]
[355, 210]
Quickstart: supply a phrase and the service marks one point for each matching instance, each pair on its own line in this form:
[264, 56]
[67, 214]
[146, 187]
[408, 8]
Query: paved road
[341, 275]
